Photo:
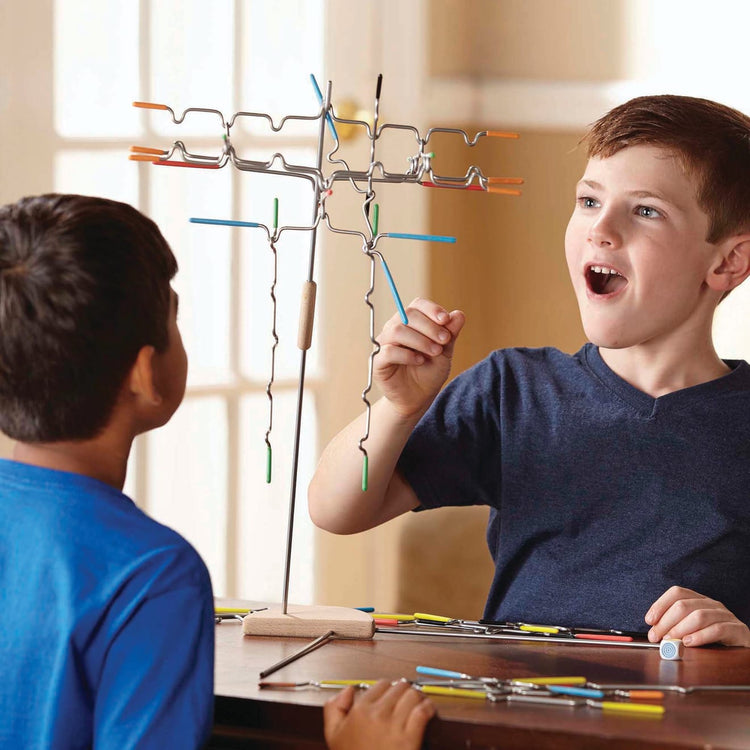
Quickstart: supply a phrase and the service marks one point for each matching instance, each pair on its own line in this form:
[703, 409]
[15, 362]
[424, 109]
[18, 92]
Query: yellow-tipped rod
[649, 709]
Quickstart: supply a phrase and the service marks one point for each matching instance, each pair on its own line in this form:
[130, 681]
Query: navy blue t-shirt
[601, 496]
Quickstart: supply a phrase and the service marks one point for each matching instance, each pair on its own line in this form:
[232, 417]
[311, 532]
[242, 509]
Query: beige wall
[550, 40]
[507, 270]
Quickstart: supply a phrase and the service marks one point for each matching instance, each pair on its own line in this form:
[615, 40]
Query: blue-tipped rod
[434, 672]
[319, 94]
[394, 292]
[426, 237]
[225, 222]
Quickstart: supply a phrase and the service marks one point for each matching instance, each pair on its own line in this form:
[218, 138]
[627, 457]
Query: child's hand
[696, 619]
[415, 360]
[385, 716]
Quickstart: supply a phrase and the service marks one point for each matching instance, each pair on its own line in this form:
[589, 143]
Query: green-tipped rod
[375, 217]
[275, 213]
[269, 453]
[365, 464]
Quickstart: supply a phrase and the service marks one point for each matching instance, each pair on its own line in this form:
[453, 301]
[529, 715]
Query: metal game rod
[302, 363]
[508, 637]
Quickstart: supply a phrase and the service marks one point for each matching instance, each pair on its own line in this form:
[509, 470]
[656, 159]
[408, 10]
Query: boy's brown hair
[84, 284]
[711, 141]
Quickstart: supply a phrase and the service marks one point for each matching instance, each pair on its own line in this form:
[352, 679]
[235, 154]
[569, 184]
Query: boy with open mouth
[617, 477]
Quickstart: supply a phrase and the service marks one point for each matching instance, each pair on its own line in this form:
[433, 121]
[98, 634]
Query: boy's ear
[734, 265]
[143, 377]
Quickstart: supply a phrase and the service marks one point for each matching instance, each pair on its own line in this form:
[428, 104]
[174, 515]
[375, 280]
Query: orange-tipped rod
[143, 157]
[501, 134]
[150, 105]
[145, 150]
[640, 695]
[505, 180]
[502, 191]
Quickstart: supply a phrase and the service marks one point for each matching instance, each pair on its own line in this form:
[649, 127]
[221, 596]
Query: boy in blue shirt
[106, 628]
[617, 477]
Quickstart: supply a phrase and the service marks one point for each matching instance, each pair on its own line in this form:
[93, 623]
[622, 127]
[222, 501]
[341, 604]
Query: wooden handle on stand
[306, 315]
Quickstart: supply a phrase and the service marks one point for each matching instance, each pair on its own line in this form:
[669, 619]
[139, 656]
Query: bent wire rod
[368, 249]
[272, 242]
[370, 364]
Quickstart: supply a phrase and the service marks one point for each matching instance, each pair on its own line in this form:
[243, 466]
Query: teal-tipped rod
[224, 222]
[426, 237]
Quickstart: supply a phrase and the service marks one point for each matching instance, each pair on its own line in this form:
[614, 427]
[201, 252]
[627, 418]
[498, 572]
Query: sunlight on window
[192, 63]
[203, 254]
[187, 479]
[731, 331]
[101, 66]
[670, 41]
[264, 508]
[104, 173]
[96, 68]
[279, 84]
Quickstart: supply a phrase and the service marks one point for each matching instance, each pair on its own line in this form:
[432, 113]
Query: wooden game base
[309, 621]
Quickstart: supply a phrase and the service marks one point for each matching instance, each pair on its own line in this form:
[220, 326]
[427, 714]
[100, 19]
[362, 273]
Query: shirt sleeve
[156, 685]
[453, 455]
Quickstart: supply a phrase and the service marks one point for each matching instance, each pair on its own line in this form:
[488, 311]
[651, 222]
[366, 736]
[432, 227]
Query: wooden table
[247, 717]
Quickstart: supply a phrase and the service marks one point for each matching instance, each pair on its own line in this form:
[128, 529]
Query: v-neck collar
[647, 406]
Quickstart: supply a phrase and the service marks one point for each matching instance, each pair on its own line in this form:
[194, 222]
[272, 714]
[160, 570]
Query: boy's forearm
[336, 499]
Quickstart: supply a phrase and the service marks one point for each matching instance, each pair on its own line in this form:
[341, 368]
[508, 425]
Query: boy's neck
[101, 458]
[658, 370]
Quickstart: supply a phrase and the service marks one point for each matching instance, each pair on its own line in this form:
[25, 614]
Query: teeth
[602, 269]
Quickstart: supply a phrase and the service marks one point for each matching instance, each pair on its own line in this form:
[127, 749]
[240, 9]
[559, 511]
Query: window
[204, 473]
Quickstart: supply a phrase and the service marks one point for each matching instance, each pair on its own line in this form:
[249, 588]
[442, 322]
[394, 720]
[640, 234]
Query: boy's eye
[647, 212]
[586, 201]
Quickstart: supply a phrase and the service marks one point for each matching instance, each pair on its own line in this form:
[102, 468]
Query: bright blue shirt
[601, 496]
[106, 624]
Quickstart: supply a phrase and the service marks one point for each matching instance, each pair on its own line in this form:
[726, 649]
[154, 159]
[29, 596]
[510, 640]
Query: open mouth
[602, 280]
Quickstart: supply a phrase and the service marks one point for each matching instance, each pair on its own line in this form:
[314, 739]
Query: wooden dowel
[306, 315]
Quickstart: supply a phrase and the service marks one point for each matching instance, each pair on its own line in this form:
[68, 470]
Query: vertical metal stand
[302, 365]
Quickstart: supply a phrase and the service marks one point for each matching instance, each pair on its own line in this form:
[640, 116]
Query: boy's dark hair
[84, 284]
[711, 141]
